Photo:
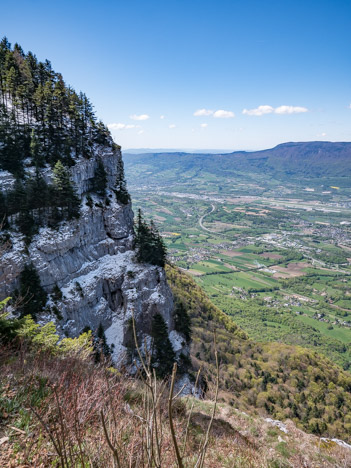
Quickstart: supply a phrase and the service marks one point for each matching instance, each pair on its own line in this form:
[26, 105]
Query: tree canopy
[40, 116]
[163, 355]
[149, 244]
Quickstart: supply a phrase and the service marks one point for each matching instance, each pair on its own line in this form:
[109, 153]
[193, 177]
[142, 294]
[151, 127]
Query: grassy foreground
[58, 408]
[51, 405]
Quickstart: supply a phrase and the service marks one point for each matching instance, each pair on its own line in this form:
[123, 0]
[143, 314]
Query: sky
[199, 74]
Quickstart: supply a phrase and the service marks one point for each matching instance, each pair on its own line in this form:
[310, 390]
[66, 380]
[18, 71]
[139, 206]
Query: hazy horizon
[214, 150]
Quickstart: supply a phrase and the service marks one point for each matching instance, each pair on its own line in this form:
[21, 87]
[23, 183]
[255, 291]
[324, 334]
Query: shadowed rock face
[93, 262]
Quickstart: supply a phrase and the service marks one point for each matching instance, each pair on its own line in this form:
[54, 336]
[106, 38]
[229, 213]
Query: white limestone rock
[92, 261]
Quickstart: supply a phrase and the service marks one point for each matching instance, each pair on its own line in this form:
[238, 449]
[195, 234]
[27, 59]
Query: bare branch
[191, 412]
[201, 460]
[171, 426]
[108, 440]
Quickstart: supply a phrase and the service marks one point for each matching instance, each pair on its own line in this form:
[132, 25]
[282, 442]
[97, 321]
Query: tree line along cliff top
[42, 118]
[45, 126]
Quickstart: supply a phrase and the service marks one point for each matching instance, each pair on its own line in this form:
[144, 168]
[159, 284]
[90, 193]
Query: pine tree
[3, 210]
[35, 151]
[64, 192]
[142, 240]
[182, 322]
[33, 297]
[158, 247]
[149, 245]
[8, 326]
[101, 133]
[26, 225]
[100, 344]
[100, 179]
[17, 198]
[121, 191]
[37, 192]
[163, 355]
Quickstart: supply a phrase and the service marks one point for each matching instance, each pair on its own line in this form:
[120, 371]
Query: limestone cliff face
[92, 261]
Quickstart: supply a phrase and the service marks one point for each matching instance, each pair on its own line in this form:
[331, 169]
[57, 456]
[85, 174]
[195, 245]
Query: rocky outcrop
[92, 261]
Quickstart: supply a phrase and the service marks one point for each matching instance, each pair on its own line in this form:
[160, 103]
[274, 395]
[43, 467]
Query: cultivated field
[274, 257]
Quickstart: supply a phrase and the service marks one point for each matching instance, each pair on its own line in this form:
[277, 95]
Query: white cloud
[162, 117]
[116, 126]
[262, 110]
[223, 114]
[202, 112]
[121, 126]
[218, 114]
[139, 117]
[290, 110]
[140, 132]
[172, 126]
[204, 125]
[349, 106]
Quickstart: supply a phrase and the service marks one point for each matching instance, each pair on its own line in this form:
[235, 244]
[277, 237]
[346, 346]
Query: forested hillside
[45, 126]
[41, 118]
[297, 161]
[272, 379]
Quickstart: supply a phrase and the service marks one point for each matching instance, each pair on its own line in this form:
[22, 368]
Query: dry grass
[65, 411]
[56, 420]
[69, 412]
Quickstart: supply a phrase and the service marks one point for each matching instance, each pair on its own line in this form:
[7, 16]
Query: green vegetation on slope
[58, 408]
[149, 245]
[268, 324]
[278, 262]
[280, 381]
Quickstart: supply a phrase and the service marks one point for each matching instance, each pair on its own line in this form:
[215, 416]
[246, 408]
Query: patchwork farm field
[274, 257]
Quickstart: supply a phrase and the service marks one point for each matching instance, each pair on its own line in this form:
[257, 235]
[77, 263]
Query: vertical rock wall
[93, 262]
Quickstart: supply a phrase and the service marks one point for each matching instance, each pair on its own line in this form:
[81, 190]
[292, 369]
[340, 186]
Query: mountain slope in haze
[210, 208]
[308, 160]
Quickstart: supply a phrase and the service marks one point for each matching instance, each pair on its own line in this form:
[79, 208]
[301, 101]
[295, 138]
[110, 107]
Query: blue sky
[224, 60]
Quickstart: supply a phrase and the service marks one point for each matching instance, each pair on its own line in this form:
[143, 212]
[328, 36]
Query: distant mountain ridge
[177, 150]
[313, 159]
